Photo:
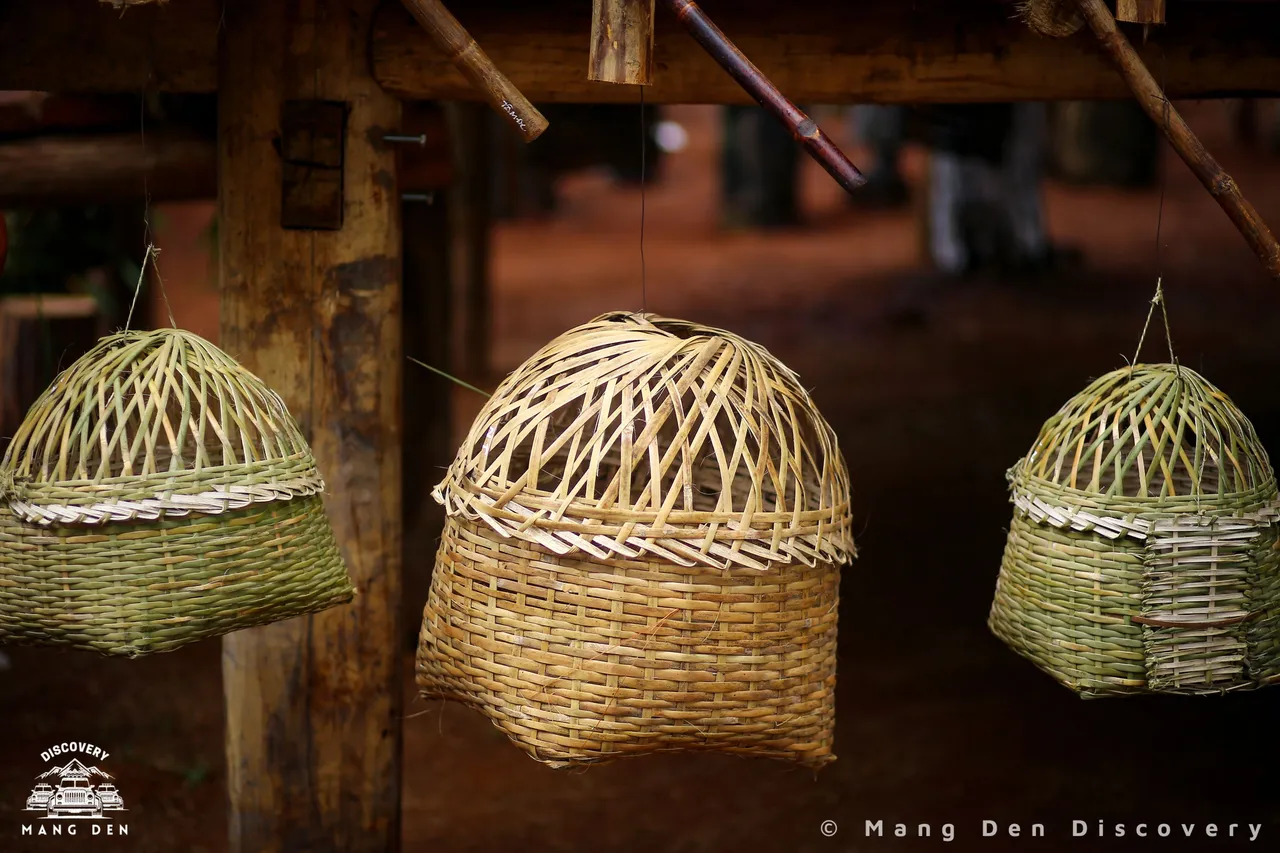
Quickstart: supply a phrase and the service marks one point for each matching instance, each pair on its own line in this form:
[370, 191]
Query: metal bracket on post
[312, 144]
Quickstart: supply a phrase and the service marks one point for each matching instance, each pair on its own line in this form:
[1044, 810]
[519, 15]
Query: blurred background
[1001, 256]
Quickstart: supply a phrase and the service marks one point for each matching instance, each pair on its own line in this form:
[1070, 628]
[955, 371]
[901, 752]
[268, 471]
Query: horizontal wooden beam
[927, 51]
[816, 51]
[50, 171]
[70, 46]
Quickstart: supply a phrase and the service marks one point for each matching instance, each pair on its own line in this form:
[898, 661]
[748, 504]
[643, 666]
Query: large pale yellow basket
[1142, 557]
[158, 494]
[642, 553]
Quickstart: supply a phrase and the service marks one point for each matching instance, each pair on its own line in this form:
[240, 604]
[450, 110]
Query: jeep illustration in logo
[74, 793]
[74, 797]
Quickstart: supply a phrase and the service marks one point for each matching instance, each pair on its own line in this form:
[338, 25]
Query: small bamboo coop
[157, 494]
[642, 552]
[1142, 557]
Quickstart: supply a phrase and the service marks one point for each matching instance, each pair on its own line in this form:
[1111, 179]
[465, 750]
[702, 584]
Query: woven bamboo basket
[157, 494]
[1142, 557]
[644, 534]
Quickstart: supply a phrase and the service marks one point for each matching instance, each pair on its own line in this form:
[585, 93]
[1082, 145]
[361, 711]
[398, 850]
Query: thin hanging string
[450, 377]
[151, 253]
[1159, 299]
[644, 147]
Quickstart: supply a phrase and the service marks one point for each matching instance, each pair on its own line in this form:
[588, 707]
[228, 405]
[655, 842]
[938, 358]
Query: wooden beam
[62, 46]
[928, 51]
[51, 171]
[833, 51]
[313, 705]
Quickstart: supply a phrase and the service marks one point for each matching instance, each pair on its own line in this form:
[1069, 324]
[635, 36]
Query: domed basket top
[1154, 438]
[151, 425]
[634, 433]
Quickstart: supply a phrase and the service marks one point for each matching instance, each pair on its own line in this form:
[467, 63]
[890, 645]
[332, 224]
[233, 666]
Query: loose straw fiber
[1142, 554]
[645, 528]
[158, 494]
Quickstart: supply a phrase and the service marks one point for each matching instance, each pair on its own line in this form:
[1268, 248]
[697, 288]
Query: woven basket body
[1142, 553]
[645, 530]
[155, 495]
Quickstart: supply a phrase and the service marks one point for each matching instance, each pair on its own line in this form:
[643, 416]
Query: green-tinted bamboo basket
[643, 547]
[1142, 557]
[157, 494]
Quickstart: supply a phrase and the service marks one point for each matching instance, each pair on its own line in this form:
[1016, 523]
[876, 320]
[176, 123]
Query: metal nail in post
[421, 139]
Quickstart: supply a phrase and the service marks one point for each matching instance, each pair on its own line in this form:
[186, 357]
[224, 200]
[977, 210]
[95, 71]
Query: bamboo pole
[621, 42]
[741, 69]
[1180, 136]
[474, 64]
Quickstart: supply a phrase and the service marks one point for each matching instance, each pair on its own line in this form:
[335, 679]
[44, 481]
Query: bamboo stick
[474, 64]
[805, 129]
[1180, 136]
[621, 42]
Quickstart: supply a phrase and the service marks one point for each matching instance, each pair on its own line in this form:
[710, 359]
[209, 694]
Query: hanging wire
[152, 252]
[644, 147]
[1159, 299]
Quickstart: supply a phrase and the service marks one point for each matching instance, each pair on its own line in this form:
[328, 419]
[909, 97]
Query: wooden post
[470, 226]
[314, 704]
[428, 400]
[621, 42]
[1140, 11]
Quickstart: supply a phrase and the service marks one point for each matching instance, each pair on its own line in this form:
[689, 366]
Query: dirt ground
[937, 722]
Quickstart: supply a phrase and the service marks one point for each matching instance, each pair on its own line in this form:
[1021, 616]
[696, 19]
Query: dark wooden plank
[926, 51]
[838, 52]
[314, 704]
[101, 169]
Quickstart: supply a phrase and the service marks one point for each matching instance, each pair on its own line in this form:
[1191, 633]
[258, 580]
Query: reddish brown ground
[937, 722]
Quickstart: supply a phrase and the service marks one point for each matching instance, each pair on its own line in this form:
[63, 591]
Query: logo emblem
[74, 790]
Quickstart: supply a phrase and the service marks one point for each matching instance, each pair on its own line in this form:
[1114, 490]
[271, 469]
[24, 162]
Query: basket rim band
[167, 505]
[1116, 525]
[719, 543]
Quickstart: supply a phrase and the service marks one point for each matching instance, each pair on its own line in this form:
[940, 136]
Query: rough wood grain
[314, 704]
[886, 51]
[473, 63]
[103, 169]
[1181, 137]
[1140, 11]
[621, 42]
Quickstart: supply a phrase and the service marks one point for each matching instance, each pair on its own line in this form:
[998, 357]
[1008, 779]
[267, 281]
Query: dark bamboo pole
[477, 67]
[805, 129]
[1180, 136]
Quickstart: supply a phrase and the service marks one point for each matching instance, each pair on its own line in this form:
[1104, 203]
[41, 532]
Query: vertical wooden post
[428, 402]
[314, 704]
[470, 225]
[1140, 11]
